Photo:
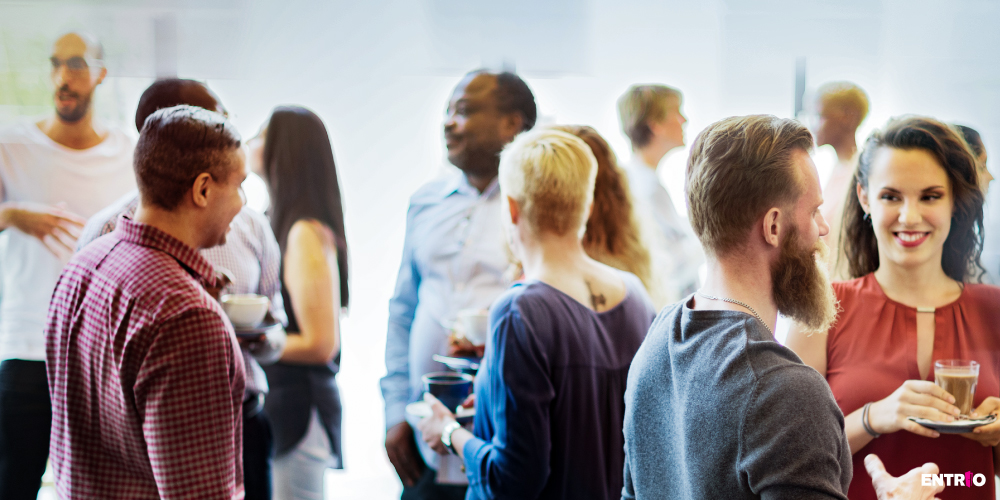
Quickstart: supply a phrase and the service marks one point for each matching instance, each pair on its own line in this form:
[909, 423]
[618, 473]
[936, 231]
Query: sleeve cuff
[471, 451]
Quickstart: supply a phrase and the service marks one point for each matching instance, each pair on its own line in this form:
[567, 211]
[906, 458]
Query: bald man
[841, 108]
[53, 175]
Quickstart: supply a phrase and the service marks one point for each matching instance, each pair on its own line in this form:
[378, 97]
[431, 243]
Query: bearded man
[54, 174]
[714, 406]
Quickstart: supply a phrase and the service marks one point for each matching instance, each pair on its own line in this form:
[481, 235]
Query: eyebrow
[894, 190]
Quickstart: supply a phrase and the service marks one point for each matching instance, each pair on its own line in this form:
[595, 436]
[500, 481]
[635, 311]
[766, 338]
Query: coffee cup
[449, 387]
[245, 310]
[475, 325]
[958, 377]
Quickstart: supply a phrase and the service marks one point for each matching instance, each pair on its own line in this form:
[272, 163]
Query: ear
[862, 197]
[200, 189]
[100, 75]
[771, 227]
[511, 124]
[514, 209]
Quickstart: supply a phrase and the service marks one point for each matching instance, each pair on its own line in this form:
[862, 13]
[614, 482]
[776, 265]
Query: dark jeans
[25, 421]
[258, 446]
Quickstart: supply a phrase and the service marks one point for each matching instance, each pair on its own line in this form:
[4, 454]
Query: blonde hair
[551, 175]
[642, 104]
[845, 97]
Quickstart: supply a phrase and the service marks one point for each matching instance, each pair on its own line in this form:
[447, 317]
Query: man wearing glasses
[54, 173]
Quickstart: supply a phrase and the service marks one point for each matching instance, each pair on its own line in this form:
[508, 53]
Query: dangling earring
[868, 217]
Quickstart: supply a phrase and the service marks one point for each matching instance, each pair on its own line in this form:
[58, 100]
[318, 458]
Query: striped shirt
[145, 373]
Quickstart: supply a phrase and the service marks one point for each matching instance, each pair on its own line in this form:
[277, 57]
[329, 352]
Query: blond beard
[800, 285]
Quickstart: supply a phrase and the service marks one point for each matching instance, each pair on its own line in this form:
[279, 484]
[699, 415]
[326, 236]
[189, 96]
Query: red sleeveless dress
[872, 350]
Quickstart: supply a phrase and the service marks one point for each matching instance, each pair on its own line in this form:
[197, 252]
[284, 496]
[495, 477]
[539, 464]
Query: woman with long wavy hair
[913, 234]
[307, 216]
[613, 236]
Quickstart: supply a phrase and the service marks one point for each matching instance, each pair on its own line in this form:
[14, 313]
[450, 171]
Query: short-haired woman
[550, 393]
[308, 221]
[913, 232]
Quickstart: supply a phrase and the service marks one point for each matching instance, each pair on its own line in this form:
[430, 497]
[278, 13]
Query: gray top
[715, 408]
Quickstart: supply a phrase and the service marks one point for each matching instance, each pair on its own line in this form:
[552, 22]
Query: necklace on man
[743, 304]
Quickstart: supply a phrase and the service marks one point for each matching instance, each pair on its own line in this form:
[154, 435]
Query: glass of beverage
[958, 377]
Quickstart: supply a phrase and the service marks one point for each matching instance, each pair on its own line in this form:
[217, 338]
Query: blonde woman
[550, 393]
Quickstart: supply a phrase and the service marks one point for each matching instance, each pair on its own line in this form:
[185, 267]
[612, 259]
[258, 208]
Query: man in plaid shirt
[145, 374]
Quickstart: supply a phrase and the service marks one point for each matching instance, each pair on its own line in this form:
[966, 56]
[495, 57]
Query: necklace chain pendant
[741, 304]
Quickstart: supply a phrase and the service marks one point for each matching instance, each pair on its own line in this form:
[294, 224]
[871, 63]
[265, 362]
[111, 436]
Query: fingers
[470, 401]
[928, 412]
[929, 388]
[911, 426]
[875, 468]
[937, 407]
[932, 468]
[989, 405]
[61, 210]
[439, 409]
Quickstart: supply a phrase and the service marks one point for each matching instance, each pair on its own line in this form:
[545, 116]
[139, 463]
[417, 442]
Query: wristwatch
[446, 433]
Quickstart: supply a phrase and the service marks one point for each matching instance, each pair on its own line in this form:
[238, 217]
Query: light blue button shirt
[453, 258]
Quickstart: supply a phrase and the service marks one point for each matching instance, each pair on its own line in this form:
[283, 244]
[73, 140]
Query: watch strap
[447, 432]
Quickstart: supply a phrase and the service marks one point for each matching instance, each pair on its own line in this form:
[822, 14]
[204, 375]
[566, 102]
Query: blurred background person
[294, 157]
[53, 175]
[613, 236]
[914, 233]
[454, 258]
[249, 258]
[550, 393]
[840, 107]
[651, 118]
[975, 142]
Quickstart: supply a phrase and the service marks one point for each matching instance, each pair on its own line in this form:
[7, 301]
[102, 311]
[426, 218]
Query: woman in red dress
[913, 233]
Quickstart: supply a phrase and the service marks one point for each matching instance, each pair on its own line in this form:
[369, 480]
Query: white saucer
[956, 427]
[421, 409]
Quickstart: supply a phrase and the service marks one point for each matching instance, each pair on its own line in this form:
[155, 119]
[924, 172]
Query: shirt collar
[460, 184]
[149, 236]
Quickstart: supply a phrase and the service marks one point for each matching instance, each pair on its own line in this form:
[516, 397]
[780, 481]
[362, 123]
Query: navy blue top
[550, 395]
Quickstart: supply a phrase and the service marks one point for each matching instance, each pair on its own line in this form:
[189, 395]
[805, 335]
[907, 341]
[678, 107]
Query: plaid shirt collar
[149, 236]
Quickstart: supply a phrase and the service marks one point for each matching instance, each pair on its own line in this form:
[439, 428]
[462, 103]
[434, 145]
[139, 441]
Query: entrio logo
[967, 479]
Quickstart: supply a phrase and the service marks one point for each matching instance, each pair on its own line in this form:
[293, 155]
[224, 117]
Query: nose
[824, 227]
[909, 213]
[59, 75]
[449, 121]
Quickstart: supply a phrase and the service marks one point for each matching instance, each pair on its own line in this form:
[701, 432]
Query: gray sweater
[716, 409]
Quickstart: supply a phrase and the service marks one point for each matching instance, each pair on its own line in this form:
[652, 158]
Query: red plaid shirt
[145, 374]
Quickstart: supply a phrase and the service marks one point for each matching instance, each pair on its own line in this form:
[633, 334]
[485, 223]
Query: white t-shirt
[675, 251]
[34, 168]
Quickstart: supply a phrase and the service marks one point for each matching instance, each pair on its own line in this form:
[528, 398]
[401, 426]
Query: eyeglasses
[75, 63]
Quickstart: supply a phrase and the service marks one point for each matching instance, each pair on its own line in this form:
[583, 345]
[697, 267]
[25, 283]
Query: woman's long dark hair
[302, 179]
[964, 244]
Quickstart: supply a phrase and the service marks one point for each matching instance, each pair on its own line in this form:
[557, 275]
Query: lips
[67, 97]
[910, 239]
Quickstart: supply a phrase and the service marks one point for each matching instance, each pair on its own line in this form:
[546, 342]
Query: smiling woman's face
[909, 197]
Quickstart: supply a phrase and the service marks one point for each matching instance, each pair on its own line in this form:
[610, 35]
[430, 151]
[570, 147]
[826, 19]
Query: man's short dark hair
[170, 92]
[177, 145]
[513, 96]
